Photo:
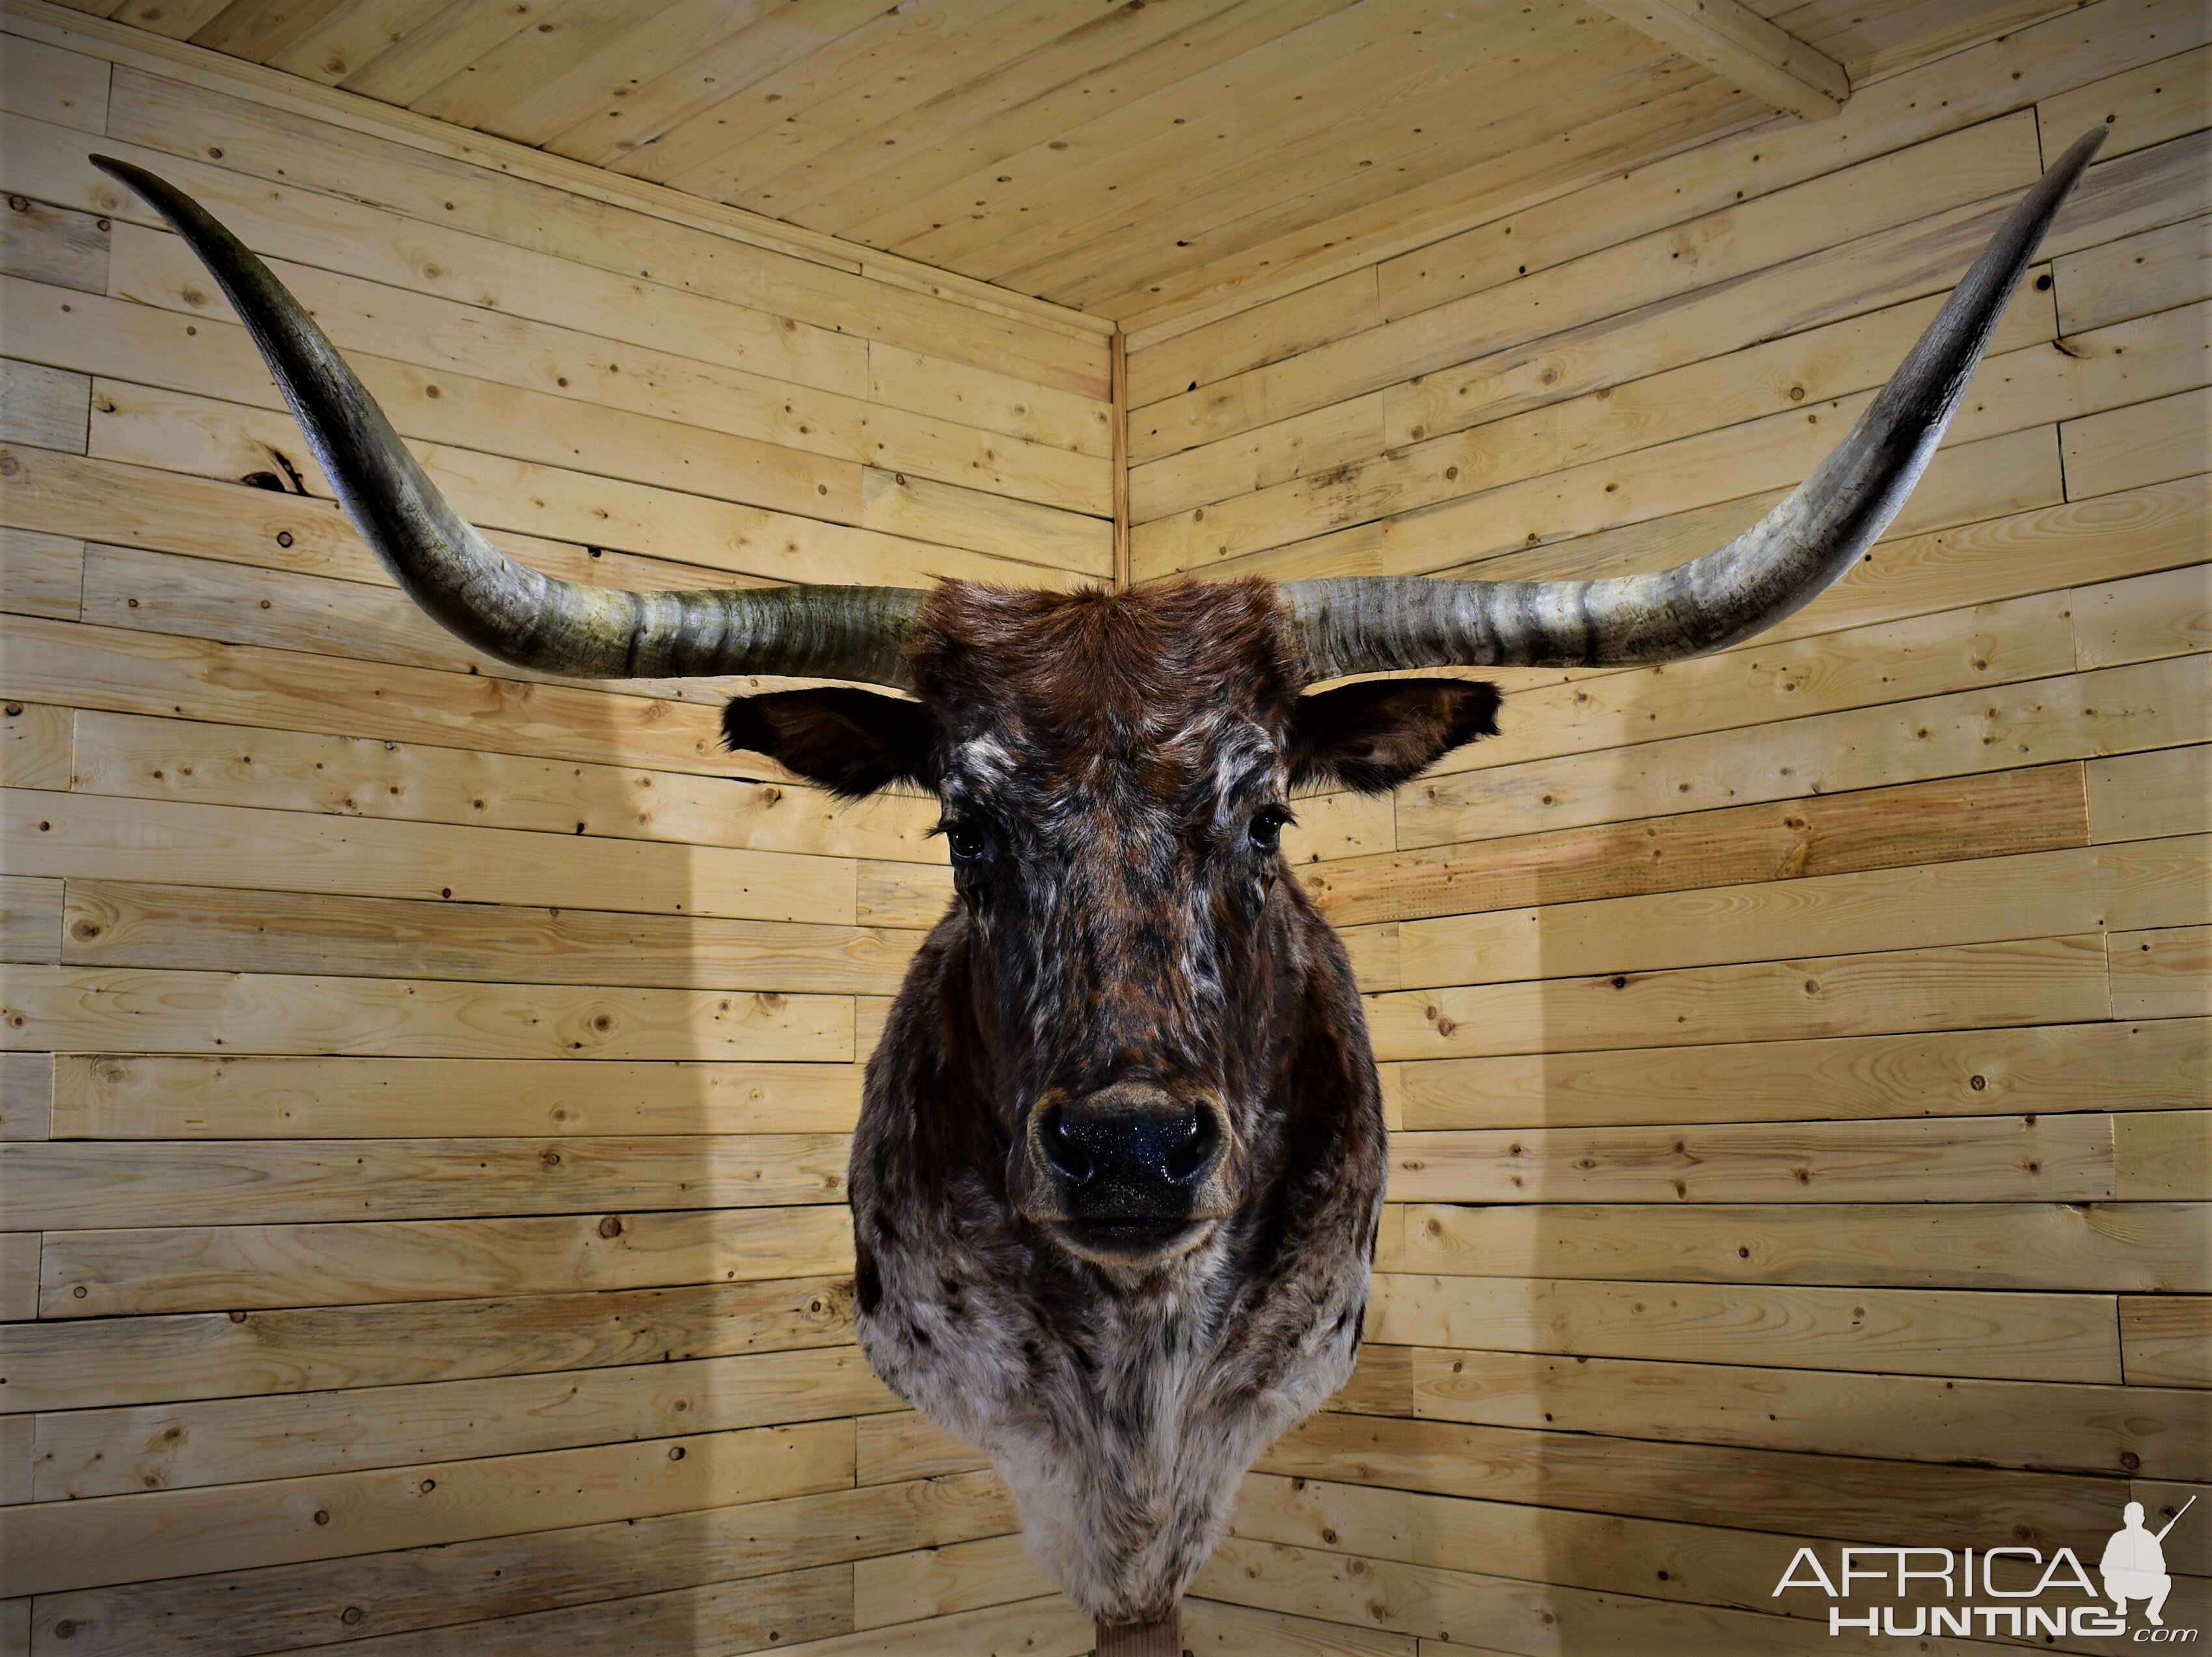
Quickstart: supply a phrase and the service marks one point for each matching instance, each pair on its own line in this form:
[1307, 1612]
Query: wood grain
[92, 1453]
[19, 1275]
[46, 243]
[1830, 1496]
[1738, 44]
[171, 1096]
[1689, 1264]
[2146, 706]
[2164, 1341]
[41, 574]
[28, 912]
[1751, 236]
[27, 1090]
[2133, 275]
[339, 775]
[500, 1576]
[1944, 1419]
[2151, 1065]
[2016, 1336]
[42, 406]
[196, 1268]
[66, 88]
[134, 1010]
[944, 1581]
[2165, 973]
[1976, 1239]
[1915, 825]
[1971, 901]
[1890, 991]
[174, 1357]
[120, 924]
[55, 1545]
[2068, 1159]
[69, 1186]
[67, 835]
[2166, 791]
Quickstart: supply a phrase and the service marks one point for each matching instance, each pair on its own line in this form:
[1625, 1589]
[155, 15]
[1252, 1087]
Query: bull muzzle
[1130, 1175]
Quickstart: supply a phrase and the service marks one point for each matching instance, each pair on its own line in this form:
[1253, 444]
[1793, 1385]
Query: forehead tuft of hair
[1143, 655]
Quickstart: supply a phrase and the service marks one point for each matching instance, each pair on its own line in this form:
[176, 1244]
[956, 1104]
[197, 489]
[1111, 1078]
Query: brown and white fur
[1124, 958]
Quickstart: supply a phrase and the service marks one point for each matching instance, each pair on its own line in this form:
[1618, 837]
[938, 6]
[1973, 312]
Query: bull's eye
[1267, 829]
[967, 843]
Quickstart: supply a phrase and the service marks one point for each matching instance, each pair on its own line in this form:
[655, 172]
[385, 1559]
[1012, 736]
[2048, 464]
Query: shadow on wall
[565, 1098]
[1785, 1254]
[715, 1085]
[1690, 1297]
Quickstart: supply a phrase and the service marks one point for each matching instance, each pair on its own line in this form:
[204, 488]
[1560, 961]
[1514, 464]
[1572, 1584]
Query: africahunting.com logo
[2012, 1591]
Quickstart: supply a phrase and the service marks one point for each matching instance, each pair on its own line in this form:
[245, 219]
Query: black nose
[1133, 1151]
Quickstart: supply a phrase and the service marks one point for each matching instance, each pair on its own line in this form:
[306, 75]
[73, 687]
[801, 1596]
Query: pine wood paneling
[69, 835]
[1693, 1483]
[423, 1108]
[231, 765]
[173, 1096]
[2033, 809]
[99, 1273]
[89, 1453]
[2165, 1342]
[55, 1545]
[1841, 1232]
[2151, 1065]
[63, 1187]
[1144, 162]
[501, 1576]
[171, 1358]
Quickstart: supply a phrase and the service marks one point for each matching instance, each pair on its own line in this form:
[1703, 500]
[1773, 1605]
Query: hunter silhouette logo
[2010, 1592]
[2134, 1565]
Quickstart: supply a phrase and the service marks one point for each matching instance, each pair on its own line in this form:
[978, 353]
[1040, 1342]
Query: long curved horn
[505, 608]
[1373, 624]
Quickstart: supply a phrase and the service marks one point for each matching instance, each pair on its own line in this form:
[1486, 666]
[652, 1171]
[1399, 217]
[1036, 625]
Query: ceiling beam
[1742, 48]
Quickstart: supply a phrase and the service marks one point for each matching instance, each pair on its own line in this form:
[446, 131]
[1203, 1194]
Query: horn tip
[126, 173]
[2083, 148]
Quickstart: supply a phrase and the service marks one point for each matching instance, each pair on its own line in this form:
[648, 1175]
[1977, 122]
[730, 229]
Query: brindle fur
[1117, 747]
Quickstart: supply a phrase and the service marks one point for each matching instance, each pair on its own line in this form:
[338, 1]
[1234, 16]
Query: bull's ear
[853, 742]
[1373, 736]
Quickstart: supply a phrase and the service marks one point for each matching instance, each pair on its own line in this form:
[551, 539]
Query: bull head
[1133, 1154]
[1128, 1056]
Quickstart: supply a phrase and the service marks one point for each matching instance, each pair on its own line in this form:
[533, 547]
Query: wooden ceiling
[1135, 158]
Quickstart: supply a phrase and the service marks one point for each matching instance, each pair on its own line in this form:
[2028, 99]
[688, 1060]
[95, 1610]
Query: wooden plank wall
[426, 1086]
[1801, 1057]
[1800, 1060]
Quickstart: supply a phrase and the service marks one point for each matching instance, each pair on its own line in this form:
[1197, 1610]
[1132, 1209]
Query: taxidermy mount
[1121, 1157]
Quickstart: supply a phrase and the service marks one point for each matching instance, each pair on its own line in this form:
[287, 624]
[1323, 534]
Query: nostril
[1067, 1153]
[1201, 1137]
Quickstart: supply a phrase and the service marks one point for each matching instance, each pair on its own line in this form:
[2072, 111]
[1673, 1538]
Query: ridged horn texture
[477, 591]
[1373, 624]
